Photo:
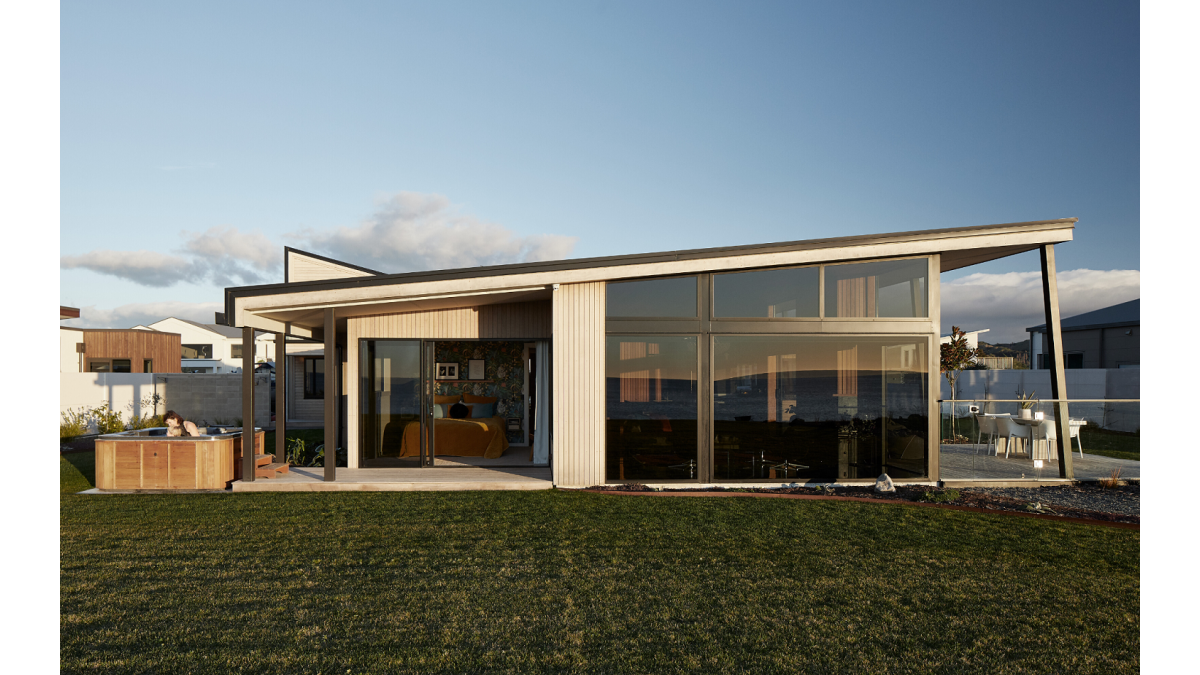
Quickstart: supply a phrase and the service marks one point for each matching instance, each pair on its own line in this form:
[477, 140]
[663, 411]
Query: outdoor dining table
[1042, 450]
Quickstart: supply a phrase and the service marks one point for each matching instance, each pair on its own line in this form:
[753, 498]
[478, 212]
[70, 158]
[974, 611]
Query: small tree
[956, 356]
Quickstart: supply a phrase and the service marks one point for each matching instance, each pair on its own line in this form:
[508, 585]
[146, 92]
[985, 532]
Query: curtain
[541, 413]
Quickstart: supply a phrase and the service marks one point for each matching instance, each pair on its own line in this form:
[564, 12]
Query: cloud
[145, 313]
[409, 231]
[220, 256]
[412, 231]
[1009, 303]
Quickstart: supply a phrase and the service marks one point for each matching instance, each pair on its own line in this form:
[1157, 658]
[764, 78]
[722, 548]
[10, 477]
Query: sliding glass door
[391, 404]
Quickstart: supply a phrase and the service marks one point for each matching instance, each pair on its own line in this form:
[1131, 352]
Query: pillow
[450, 398]
[439, 410]
[460, 411]
[483, 410]
[472, 398]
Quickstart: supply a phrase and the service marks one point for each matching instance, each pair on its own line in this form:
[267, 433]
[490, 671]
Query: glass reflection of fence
[1105, 437]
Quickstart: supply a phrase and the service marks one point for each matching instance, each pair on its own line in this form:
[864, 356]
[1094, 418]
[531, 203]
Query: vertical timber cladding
[516, 320]
[578, 385]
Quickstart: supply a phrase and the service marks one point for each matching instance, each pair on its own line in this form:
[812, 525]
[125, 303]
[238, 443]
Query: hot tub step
[270, 470]
[261, 460]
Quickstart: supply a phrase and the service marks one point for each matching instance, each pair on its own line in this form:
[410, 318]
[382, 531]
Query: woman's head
[172, 416]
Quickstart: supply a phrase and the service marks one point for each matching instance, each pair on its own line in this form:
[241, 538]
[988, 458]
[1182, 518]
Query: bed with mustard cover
[470, 437]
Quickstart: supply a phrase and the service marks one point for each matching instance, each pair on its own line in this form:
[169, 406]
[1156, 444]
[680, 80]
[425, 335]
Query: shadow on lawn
[82, 462]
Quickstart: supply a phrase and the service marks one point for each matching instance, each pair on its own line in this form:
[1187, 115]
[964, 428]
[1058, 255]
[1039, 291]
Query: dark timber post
[247, 403]
[1058, 375]
[331, 396]
[280, 397]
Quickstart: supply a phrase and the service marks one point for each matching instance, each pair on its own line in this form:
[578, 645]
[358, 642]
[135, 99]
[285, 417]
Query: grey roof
[216, 328]
[1124, 314]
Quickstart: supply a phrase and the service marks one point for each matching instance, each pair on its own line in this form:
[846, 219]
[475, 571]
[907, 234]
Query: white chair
[1008, 427]
[987, 425]
[1050, 434]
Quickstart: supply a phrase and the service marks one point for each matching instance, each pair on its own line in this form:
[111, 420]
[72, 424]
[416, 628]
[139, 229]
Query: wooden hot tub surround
[147, 459]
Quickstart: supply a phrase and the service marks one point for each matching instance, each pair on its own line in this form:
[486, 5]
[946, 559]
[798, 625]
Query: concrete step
[270, 470]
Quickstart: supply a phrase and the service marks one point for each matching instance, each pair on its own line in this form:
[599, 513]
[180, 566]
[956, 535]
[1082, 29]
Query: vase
[1026, 413]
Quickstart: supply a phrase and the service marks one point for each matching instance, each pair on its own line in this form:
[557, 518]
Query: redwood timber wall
[518, 320]
[578, 387]
[135, 345]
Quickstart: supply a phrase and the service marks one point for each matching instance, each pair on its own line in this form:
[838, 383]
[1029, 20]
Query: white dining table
[1041, 446]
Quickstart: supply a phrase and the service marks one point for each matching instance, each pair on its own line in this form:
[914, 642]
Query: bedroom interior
[482, 409]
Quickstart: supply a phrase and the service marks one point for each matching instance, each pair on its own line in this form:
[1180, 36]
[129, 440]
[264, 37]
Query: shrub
[74, 423]
[108, 421]
[146, 422]
[939, 496]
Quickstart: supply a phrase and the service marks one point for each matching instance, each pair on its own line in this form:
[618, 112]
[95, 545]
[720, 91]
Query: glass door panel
[390, 404]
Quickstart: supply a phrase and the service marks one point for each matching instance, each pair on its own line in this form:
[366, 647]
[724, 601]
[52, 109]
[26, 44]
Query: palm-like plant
[956, 355]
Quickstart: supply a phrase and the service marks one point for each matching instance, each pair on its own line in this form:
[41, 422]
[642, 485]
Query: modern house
[1105, 338]
[97, 350]
[762, 364]
[210, 347]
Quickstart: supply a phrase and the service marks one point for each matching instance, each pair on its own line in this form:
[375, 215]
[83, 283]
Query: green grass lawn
[556, 581]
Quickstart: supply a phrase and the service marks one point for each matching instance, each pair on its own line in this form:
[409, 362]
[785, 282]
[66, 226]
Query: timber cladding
[578, 384]
[164, 349]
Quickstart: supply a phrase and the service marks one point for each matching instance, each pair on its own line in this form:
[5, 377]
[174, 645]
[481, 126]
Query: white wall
[199, 398]
[69, 359]
[222, 360]
[1082, 383]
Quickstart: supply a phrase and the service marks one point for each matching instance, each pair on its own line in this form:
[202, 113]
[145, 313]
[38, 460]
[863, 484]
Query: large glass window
[122, 366]
[668, 298]
[314, 378]
[650, 400]
[197, 351]
[390, 401]
[768, 293]
[819, 408]
[889, 288]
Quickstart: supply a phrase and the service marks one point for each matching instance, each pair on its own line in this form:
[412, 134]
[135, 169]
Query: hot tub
[148, 459]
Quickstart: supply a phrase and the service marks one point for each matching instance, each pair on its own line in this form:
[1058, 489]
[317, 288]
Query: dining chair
[1008, 427]
[987, 425]
[1050, 431]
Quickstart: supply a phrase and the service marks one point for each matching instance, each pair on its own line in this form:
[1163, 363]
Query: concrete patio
[975, 462]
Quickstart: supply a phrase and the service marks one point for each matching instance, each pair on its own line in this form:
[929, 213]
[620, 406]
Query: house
[761, 364]
[210, 347]
[1106, 338]
[971, 335]
[96, 350]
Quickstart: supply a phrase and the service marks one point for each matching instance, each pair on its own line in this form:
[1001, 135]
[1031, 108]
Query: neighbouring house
[100, 350]
[210, 347]
[971, 335]
[768, 363]
[1106, 338]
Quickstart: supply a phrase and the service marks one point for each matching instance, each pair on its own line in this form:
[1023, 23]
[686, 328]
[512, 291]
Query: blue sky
[198, 139]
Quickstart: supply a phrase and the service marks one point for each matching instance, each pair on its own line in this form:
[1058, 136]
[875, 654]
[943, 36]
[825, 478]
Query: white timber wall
[201, 398]
[518, 320]
[578, 373]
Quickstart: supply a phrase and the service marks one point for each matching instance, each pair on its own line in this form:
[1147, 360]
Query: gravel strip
[1124, 499]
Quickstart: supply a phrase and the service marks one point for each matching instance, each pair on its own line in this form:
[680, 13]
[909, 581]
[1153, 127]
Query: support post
[1058, 375]
[331, 396]
[280, 397]
[247, 404]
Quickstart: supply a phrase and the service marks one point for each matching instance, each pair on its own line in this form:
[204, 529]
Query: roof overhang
[297, 308]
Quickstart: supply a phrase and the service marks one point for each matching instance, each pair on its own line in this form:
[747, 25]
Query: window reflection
[785, 293]
[819, 408]
[890, 288]
[673, 298]
[650, 390]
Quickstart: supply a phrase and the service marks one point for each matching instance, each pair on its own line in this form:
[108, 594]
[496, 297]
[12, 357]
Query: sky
[198, 139]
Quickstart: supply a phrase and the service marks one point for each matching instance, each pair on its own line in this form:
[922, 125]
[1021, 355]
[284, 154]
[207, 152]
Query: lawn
[559, 581]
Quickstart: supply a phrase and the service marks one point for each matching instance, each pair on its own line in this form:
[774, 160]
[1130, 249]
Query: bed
[473, 437]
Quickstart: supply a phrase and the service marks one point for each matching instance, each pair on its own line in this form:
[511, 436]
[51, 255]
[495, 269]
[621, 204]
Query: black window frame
[310, 379]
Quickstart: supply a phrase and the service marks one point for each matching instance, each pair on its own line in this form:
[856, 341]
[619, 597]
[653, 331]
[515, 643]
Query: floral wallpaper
[504, 375]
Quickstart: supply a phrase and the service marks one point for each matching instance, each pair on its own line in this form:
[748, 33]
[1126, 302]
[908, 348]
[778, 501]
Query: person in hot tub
[177, 426]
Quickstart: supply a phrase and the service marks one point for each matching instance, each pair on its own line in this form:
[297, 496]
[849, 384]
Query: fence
[990, 440]
[202, 398]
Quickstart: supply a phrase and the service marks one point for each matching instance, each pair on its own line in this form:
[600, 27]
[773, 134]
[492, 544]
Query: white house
[972, 338]
[212, 348]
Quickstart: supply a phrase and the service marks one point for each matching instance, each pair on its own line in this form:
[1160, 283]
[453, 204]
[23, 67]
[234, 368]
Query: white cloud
[412, 231]
[145, 313]
[1009, 303]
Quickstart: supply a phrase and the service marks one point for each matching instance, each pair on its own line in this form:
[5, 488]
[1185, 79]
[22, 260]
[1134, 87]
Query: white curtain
[541, 414]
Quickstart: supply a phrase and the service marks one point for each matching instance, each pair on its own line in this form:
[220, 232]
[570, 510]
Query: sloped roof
[225, 331]
[1124, 314]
